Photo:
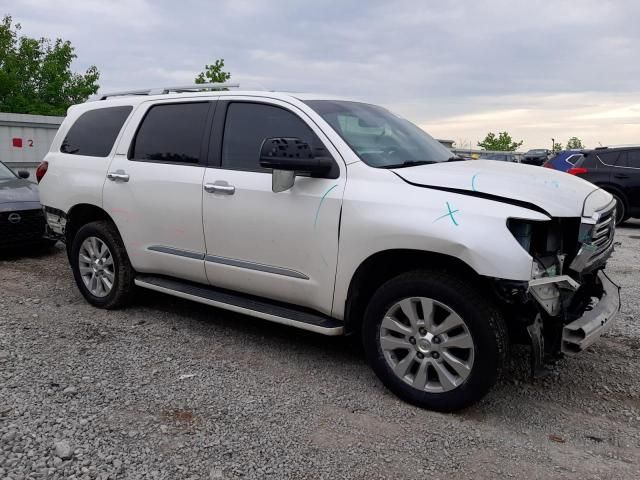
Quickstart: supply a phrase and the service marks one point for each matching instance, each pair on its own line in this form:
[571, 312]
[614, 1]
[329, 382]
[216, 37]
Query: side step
[241, 303]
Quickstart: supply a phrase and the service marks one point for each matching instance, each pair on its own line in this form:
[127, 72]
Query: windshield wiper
[409, 163]
[415, 163]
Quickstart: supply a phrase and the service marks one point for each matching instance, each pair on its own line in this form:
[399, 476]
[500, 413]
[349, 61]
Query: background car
[616, 170]
[564, 160]
[502, 157]
[536, 156]
[21, 218]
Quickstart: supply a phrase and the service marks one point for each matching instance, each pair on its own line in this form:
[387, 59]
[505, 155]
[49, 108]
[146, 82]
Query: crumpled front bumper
[579, 334]
[550, 293]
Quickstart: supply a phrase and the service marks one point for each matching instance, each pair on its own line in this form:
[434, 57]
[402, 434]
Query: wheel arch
[384, 265]
[80, 215]
[616, 190]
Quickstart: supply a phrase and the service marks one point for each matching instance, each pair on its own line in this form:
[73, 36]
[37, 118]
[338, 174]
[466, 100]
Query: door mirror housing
[23, 174]
[286, 156]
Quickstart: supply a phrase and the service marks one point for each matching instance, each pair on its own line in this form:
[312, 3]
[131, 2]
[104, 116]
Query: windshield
[5, 173]
[537, 151]
[380, 138]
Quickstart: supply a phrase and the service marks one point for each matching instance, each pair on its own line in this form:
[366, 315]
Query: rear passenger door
[153, 189]
[626, 174]
[282, 246]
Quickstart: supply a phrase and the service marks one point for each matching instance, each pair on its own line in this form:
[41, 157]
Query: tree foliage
[36, 76]
[503, 142]
[213, 73]
[557, 147]
[574, 143]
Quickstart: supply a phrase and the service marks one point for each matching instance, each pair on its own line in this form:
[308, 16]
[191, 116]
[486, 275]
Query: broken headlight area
[552, 244]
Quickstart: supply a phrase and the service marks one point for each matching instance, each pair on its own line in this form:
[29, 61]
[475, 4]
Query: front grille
[596, 241]
[29, 228]
[604, 229]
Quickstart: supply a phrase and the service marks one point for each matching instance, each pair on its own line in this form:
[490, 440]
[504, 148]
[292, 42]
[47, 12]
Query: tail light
[577, 170]
[41, 170]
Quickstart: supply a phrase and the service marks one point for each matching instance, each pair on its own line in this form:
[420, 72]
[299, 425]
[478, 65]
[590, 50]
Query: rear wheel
[101, 265]
[621, 209]
[433, 340]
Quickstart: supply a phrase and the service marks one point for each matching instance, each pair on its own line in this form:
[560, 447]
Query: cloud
[538, 69]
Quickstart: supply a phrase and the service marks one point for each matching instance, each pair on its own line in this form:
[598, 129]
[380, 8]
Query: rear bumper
[579, 334]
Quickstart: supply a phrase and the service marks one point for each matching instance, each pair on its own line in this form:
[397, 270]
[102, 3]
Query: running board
[248, 305]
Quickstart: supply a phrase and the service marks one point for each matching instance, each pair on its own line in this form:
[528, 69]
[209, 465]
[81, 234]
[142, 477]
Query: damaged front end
[569, 301]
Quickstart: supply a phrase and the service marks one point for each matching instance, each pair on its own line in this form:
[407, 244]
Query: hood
[16, 190]
[557, 193]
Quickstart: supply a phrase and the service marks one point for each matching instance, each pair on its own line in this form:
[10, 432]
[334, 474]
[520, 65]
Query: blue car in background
[564, 160]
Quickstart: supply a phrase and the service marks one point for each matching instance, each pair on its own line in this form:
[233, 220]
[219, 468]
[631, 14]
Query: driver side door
[282, 246]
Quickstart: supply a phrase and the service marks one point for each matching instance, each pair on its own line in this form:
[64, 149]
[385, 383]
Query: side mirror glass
[23, 174]
[282, 180]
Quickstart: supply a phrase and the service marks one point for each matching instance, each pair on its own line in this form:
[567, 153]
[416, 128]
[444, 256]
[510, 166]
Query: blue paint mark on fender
[320, 204]
[448, 214]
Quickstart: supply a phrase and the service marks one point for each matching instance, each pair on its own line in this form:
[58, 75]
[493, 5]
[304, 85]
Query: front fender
[381, 212]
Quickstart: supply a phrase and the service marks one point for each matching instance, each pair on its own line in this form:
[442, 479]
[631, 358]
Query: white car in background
[336, 217]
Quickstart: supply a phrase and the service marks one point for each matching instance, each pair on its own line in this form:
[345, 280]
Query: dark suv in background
[537, 156]
[616, 170]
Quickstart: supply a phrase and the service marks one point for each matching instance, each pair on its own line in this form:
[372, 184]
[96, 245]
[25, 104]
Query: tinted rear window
[95, 131]
[171, 133]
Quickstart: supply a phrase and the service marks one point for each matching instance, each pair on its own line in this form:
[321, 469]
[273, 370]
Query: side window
[95, 131]
[573, 159]
[171, 133]
[633, 159]
[246, 127]
[608, 158]
[622, 160]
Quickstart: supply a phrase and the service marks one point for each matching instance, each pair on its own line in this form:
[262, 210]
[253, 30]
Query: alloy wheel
[427, 344]
[95, 263]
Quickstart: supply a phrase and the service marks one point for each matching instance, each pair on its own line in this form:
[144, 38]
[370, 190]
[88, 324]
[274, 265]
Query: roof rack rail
[164, 90]
[622, 145]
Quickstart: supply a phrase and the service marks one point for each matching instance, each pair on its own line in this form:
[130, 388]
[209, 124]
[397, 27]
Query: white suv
[337, 217]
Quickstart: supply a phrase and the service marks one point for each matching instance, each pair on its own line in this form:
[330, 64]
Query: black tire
[484, 322]
[123, 285]
[621, 209]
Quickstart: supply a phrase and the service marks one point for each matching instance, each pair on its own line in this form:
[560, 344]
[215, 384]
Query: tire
[117, 271]
[621, 209]
[452, 299]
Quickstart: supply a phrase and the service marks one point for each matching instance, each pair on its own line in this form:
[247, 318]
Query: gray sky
[538, 69]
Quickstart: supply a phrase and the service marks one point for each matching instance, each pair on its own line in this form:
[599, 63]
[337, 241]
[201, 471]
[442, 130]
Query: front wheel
[434, 340]
[101, 265]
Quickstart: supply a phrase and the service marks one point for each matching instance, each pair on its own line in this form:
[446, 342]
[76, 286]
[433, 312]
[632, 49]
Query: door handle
[118, 176]
[620, 175]
[222, 188]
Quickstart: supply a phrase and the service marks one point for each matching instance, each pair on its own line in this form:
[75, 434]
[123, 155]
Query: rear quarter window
[94, 132]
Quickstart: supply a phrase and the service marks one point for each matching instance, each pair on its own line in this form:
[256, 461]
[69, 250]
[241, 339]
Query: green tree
[557, 147]
[574, 143]
[213, 73]
[36, 76]
[503, 142]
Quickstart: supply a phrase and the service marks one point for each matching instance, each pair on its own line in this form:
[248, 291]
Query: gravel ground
[169, 389]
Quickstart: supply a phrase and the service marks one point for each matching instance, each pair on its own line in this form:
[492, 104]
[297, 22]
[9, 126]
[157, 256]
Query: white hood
[558, 193]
